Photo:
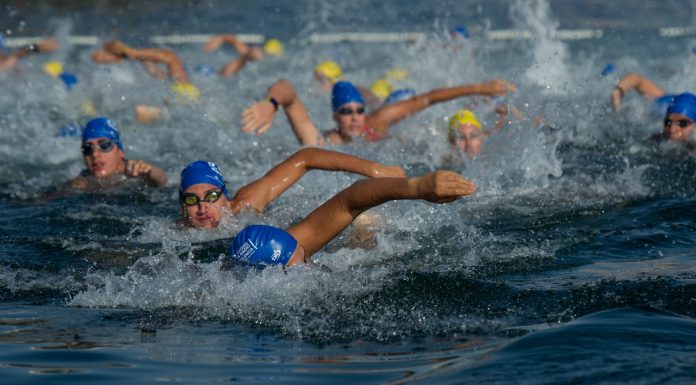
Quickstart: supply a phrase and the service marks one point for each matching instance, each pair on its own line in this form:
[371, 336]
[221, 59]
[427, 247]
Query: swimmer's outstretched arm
[634, 81]
[259, 117]
[266, 189]
[382, 118]
[175, 67]
[331, 218]
[233, 66]
[9, 61]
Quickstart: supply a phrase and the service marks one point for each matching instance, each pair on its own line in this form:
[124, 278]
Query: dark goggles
[350, 111]
[105, 145]
[682, 123]
[190, 199]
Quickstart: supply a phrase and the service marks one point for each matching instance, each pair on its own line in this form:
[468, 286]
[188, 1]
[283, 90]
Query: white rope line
[363, 37]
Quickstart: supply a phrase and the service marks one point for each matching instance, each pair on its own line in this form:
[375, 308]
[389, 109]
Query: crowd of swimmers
[360, 114]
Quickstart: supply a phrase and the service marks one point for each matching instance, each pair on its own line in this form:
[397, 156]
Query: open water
[574, 263]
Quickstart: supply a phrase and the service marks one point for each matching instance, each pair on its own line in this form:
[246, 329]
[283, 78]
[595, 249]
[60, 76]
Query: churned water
[573, 263]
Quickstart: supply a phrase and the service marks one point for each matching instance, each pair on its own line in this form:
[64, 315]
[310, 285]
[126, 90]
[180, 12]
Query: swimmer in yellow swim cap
[465, 132]
[53, 68]
[272, 47]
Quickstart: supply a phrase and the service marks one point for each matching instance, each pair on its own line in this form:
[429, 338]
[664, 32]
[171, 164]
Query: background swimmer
[349, 112]
[9, 61]
[272, 47]
[106, 160]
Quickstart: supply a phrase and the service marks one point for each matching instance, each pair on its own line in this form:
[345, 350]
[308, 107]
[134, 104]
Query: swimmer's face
[204, 214]
[470, 140]
[350, 119]
[323, 82]
[103, 163]
[678, 127]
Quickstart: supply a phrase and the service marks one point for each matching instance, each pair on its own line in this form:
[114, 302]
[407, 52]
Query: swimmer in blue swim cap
[203, 192]
[9, 61]
[262, 245]
[105, 159]
[349, 111]
[679, 110]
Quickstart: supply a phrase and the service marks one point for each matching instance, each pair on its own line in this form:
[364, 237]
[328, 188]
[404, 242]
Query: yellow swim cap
[53, 68]
[330, 69]
[381, 88]
[396, 74]
[273, 47]
[464, 117]
[186, 92]
[88, 108]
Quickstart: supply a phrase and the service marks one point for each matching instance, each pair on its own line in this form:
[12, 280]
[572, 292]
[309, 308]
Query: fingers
[263, 129]
[137, 168]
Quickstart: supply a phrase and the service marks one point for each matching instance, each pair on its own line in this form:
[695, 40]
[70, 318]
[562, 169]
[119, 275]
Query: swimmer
[105, 160]
[262, 245]
[349, 111]
[680, 115]
[203, 192]
[272, 47]
[10, 61]
[328, 73]
[466, 133]
[115, 51]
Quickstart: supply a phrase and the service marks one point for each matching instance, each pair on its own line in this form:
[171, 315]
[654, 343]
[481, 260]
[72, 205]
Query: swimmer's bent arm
[634, 81]
[259, 117]
[331, 218]
[382, 118]
[141, 169]
[266, 189]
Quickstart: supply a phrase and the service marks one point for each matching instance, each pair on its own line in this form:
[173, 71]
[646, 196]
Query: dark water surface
[573, 263]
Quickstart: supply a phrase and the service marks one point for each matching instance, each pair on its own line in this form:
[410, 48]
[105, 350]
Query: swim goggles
[190, 199]
[104, 145]
[350, 111]
[682, 123]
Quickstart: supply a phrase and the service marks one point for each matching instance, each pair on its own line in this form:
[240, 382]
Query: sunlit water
[572, 263]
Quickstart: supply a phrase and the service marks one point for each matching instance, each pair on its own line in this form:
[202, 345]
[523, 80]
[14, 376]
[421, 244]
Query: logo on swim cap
[345, 92]
[684, 104]
[330, 69]
[101, 128]
[199, 172]
[263, 245]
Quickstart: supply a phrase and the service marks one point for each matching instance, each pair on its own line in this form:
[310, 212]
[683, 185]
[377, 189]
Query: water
[572, 264]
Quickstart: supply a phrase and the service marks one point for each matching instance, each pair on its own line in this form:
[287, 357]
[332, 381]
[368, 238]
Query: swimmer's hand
[48, 45]
[385, 171]
[258, 118]
[442, 186]
[497, 87]
[137, 168]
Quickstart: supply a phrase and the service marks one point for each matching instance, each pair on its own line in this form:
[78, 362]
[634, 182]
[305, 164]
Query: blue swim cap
[345, 92]
[608, 70]
[205, 69]
[101, 128]
[263, 245]
[70, 130]
[2, 41]
[684, 104]
[69, 79]
[399, 95]
[201, 171]
[460, 31]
